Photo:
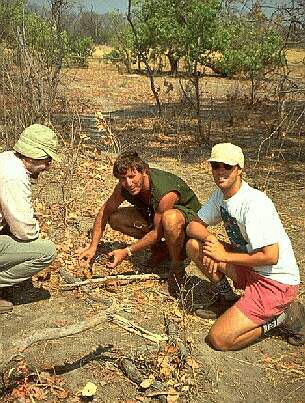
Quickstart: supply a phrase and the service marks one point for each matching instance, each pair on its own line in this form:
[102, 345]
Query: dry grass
[101, 50]
[295, 55]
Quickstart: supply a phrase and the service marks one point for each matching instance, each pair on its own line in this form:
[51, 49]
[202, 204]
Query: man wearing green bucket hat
[22, 252]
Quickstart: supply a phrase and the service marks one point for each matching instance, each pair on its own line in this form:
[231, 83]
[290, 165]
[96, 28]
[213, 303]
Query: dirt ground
[66, 201]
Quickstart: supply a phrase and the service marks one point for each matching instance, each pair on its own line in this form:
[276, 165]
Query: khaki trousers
[20, 260]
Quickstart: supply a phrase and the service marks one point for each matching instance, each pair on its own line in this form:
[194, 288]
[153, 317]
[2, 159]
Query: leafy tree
[178, 28]
[34, 49]
[245, 47]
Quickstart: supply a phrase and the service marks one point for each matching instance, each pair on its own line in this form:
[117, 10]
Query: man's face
[132, 181]
[226, 177]
[35, 167]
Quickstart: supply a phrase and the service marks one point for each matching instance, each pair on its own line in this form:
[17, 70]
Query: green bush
[245, 47]
[114, 56]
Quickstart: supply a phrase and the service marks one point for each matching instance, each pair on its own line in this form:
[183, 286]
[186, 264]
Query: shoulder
[11, 166]
[215, 200]
[255, 198]
[156, 172]
[216, 197]
[161, 173]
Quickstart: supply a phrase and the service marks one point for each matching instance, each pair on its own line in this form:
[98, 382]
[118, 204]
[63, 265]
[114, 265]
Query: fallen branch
[164, 393]
[119, 277]
[134, 328]
[18, 346]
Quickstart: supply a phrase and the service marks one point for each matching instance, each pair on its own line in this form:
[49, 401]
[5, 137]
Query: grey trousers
[20, 260]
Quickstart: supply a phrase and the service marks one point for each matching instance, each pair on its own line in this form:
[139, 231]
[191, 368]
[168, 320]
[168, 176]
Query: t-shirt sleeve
[209, 212]
[15, 199]
[262, 223]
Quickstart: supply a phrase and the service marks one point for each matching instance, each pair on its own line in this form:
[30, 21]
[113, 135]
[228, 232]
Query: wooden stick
[169, 393]
[134, 328]
[119, 277]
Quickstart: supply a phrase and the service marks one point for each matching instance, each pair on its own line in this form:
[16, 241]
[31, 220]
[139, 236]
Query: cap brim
[53, 155]
[223, 160]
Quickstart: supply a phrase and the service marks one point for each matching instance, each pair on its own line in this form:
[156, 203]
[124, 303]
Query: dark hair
[127, 160]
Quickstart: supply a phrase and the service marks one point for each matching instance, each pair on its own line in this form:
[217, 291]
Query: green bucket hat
[38, 142]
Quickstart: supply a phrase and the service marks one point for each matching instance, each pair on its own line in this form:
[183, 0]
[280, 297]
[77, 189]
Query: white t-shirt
[16, 208]
[252, 222]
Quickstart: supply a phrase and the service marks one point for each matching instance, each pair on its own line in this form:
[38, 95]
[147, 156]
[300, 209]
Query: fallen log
[119, 277]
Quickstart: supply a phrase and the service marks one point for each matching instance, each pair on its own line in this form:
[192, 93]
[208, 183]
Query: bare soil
[67, 199]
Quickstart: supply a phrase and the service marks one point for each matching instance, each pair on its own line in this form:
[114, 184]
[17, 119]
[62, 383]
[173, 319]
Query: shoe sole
[6, 310]
[205, 314]
[299, 339]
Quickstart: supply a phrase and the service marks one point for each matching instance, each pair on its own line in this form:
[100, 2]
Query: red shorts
[263, 298]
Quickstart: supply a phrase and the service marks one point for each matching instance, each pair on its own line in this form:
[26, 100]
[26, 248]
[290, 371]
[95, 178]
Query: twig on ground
[134, 328]
[119, 277]
[165, 393]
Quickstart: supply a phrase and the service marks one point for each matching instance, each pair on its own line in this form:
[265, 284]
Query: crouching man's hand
[118, 256]
[86, 255]
[214, 249]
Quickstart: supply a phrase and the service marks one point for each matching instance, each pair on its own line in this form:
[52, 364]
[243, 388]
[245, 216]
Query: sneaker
[294, 323]
[216, 309]
[5, 306]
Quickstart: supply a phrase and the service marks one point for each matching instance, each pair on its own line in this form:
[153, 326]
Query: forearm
[98, 228]
[147, 241]
[254, 259]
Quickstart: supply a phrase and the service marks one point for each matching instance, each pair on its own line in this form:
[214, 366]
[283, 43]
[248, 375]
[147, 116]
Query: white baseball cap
[227, 153]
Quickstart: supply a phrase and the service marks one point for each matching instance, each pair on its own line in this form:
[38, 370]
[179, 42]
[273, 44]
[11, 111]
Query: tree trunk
[173, 61]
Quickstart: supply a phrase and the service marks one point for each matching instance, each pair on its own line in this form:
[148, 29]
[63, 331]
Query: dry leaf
[72, 216]
[146, 383]
[171, 349]
[172, 396]
[177, 312]
[140, 297]
[165, 368]
[192, 363]
[89, 389]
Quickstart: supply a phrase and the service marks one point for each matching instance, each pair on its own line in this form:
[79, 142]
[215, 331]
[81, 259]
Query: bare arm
[267, 255]
[109, 207]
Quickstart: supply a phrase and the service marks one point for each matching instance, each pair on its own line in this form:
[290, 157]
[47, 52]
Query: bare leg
[129, 221]
[226, 296]
[233, 331]
[173, 222]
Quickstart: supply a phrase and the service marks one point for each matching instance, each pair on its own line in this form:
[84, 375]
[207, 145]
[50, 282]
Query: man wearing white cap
[259, 259]
[22, 252]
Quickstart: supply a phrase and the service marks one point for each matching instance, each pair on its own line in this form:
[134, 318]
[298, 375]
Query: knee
[47, 249]
[114, 221]
[218, 342]
[172, 220]
[193, 248]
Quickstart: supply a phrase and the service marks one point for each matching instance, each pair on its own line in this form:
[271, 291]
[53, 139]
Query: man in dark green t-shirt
[162, 206]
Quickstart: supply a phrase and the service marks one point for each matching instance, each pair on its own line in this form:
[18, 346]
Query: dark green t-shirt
[161, 183]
